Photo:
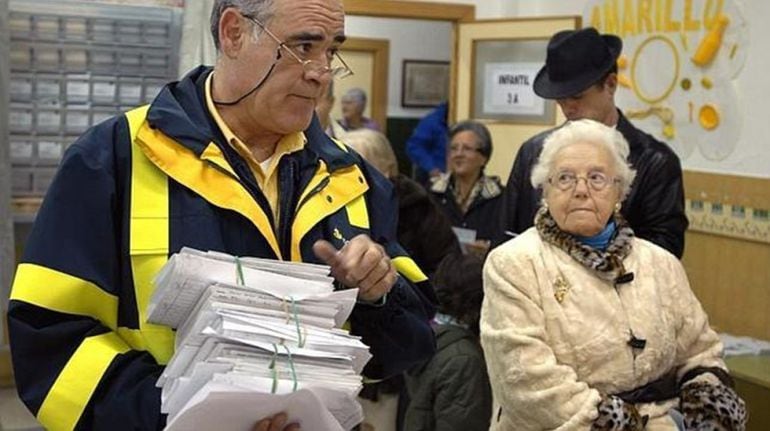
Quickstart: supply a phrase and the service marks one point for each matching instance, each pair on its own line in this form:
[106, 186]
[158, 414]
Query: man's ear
[611, 82]
[233, 31]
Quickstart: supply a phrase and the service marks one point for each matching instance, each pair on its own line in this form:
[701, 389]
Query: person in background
[451, 390]
[423, 229]
[580, 73]
[229, 159]
[426, 147]
[467, 196]
[584, 325]
[323, 109]
[426, 233]
[353, 107]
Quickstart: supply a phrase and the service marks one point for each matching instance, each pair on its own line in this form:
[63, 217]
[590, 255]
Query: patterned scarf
[608, 264]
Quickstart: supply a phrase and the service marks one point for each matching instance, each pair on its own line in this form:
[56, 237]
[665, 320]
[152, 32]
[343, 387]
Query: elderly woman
[418, 217]
[585, 326]
[468, 197]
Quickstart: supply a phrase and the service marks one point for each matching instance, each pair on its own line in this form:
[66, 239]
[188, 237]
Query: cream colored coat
[549, 359]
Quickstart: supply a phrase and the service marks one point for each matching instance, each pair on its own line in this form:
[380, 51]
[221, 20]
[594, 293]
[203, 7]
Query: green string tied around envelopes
[239, 272]
[274, 369]
[291, 365]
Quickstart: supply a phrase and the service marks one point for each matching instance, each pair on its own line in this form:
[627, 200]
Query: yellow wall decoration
[684, 56]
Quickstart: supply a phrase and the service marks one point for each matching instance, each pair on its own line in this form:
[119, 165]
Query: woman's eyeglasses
[566, 180]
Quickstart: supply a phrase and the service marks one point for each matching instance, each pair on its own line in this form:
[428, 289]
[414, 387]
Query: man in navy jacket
[228, 159]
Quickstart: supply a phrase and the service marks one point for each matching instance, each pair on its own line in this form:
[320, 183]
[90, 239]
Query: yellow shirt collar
[288, 144]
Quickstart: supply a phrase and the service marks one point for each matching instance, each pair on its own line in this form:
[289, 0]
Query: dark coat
[424, 230]
[654, 207]
[451, 391]
[483, 212]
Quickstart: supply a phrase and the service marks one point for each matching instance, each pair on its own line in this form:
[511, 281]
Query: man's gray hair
[585, 131]
[262, 10]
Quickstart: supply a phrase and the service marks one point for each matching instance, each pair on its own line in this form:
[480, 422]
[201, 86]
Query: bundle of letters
[255, 337]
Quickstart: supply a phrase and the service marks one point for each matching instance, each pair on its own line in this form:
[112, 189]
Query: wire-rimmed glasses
[337, 72]
[567, 180]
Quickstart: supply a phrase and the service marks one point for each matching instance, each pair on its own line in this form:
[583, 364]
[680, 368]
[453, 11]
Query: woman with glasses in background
[584, 325]
[467, 196]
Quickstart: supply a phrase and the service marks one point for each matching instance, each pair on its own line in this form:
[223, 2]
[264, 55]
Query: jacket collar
[490, 186]
[180, 112]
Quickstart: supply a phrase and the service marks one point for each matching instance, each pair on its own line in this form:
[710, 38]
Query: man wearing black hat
[580, 73]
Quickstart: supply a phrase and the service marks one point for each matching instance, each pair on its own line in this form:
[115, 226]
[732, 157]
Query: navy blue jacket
[84, 356]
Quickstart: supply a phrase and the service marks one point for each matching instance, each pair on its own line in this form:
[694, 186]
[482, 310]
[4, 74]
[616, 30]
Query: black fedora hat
[576, 59]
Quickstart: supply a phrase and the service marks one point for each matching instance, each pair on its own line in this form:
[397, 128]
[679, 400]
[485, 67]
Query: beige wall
[362, 64]
[507, 137]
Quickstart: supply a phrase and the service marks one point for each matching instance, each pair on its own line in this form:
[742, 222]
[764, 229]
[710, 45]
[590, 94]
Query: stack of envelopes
[256, 330]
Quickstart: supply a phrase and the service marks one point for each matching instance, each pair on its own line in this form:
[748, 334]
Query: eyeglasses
[337, 72]
[566, 180]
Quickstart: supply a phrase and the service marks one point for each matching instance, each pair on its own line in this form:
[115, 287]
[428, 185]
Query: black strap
[664, 388]
[668, 387]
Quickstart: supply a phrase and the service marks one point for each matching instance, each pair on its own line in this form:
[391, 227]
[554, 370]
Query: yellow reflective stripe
[213, 154]
[341, 145]
[74, 386]
[358, 215]
[345, 185]
[149, 198]
[154, 339]
[409, 269]
[149, 243]
[57, 291]
[209, 181]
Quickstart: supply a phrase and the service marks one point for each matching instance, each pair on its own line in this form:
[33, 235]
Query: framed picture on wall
[503, 77]
[424, 83]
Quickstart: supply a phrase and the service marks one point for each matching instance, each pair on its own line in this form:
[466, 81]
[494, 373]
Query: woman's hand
[618, 415]
[275, 423]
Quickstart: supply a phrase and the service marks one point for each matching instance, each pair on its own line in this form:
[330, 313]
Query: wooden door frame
[411, 9]
[455, 13]
[380, 50]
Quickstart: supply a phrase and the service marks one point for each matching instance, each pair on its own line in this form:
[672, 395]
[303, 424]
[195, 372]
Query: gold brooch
[560, 287]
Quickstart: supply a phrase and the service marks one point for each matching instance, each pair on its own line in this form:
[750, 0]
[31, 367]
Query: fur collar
[608, 265]
[486, 186]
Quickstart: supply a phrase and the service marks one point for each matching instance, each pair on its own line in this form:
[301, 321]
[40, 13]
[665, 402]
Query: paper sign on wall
[508, 89]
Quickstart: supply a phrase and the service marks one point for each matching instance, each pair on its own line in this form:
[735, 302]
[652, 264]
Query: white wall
[752, 153]
[409, 39]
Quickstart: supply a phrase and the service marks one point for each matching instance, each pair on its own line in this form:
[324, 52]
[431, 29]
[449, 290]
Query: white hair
[585, 131]
[356, 94]
[375, 148]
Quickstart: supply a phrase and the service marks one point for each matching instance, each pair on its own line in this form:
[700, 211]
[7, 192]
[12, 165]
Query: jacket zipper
[286, 187]
[317, 189]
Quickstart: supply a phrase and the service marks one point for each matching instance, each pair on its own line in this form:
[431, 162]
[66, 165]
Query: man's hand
[361, 263]
[275, 423]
